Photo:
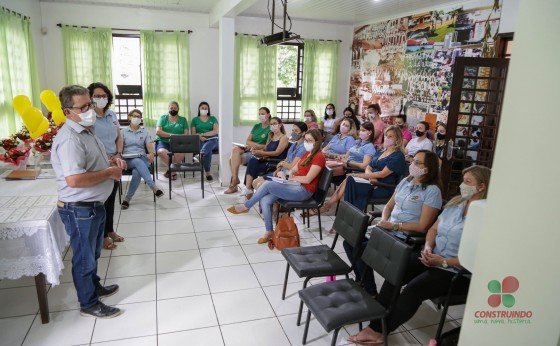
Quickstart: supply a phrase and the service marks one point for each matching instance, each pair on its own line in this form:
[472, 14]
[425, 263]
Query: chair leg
[120, 191]
[285, 281]
[385, 332]
[202, 182]
[306, 327]
[170, 174]
[320, 227]
[308, 218]
[334, 337]
[442, 321]
[300, 310]
[360, 326]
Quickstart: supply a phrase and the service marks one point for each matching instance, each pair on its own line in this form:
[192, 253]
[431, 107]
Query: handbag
[285, 235]
[336, 167]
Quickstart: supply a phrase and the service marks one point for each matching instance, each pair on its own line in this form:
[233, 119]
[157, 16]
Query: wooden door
[474, 117]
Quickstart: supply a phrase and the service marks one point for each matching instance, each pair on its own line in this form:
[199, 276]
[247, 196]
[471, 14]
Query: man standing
[84, 180]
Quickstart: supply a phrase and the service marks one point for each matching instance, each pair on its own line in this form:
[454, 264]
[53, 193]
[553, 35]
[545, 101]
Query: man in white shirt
[421, 141]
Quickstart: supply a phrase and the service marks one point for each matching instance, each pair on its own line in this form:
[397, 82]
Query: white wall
[510, 13]
[203, 41]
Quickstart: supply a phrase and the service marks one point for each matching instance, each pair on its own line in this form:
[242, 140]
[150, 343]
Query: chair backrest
[184, 144]
[323, 186]
[351, 224]
[387, 256]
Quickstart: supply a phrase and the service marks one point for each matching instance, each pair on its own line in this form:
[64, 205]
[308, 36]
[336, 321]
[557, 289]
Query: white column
[226, 79]
[521, 234]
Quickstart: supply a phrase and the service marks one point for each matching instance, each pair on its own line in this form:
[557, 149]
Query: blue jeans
[85, 227]
[207, 148]
[140, 169]
[270, 192]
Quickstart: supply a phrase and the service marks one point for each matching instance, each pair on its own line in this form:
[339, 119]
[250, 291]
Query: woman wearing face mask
[348, 114]
[439, 142]
[106, 127]
[170, 124]
[307, 173]
[413, 207]
[341, 143]
[374, 115]
[295, 152]
[310, 119]
[327, 125]
[276, 146]
[206, 127]
[136, 141]
[421, 141]
[400, 121]
[429, 272]
[256, 140]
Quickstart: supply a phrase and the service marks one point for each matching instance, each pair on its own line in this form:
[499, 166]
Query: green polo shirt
[177, 129]
[204, 126]
[260, 135]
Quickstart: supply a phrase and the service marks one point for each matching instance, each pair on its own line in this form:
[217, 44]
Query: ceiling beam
[228, 8]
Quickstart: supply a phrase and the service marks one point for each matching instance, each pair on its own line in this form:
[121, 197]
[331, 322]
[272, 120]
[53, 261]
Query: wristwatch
[444, 263]
[395, 227]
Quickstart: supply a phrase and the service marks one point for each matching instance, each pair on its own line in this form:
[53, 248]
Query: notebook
[239, 145]
[284, 181]
[131, 156]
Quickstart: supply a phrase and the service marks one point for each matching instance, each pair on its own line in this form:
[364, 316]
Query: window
[127, 75]
[289, 80]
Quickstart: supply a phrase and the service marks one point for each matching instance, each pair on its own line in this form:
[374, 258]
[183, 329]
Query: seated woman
[348, 113]
[421, 141]
[275, 148]
[439, 142]
[207, 128]
[136, 141]
[341, 143]
[256, 140]
[170, 124]
[429, 273]
[307, 173]
[310, 119]
[327, 125]
[295, 152]
[374, 115]
[413, 207]
[386, 167]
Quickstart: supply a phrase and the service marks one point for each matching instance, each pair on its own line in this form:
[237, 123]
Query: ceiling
[332, 11]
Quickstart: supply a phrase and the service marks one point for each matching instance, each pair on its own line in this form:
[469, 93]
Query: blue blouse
[106, 128]
[361, 149]
[410, 198]
[396, 162]
[135, 142]
[449, 231]
[296, 150]
[340, 146]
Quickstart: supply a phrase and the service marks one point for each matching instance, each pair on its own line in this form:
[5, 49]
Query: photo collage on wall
[406, 64]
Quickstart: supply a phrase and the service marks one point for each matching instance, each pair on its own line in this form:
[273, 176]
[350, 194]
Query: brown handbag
[285, 235]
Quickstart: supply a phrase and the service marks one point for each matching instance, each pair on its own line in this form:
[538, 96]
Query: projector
[279, 37]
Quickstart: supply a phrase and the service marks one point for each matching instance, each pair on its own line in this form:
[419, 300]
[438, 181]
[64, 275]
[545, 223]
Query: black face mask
[173, 112]
[419, 133]
[401, 126]
[440, 136]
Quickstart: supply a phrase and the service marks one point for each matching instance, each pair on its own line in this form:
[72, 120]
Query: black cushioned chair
[188, 144]
[321, 260]
[129, 172]
[342, 302]
[314, 202]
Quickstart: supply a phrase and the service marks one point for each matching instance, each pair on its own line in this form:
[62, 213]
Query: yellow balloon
[58, 116]
[21, 103]
[50, 100]
[35, 122]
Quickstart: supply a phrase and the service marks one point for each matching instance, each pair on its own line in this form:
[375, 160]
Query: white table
[32, 236]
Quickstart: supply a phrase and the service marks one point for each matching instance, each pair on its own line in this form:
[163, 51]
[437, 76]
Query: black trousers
[423, 283]
[110, 210]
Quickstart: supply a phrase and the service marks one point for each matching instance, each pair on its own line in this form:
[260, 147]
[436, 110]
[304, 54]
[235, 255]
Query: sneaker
[107, 290]
[101, 310]
[209, 178]
[125, 205]
[158, 193]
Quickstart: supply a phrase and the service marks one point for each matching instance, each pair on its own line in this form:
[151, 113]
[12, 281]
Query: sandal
[115, 237]
[166, 174]
[312, 212]
[174, 176]
[264, 240]
[108, 243]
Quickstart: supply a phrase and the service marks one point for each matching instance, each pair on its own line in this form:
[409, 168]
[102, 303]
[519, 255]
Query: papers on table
[239, 145]
[284, 181]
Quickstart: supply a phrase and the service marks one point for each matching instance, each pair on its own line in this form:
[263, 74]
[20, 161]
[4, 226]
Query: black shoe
[159, 193]
[101, 310]
[209, 178]
[125, 205]
[107, 291]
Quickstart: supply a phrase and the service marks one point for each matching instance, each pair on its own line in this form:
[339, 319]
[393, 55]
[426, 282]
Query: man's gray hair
[68, 92]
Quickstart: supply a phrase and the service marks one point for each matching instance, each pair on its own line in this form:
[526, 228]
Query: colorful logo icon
[502, 292]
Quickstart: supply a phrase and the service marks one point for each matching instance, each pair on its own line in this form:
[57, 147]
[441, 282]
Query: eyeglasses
[416, 162]
[84, 108]
[310, 141]
[136, 116]
[100, 96]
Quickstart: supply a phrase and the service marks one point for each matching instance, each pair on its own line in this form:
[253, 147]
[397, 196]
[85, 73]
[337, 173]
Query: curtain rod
[93, 27]
[14, 13]
[240, 33]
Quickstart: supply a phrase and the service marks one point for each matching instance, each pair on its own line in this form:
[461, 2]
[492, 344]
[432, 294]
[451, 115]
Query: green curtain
[18, 69]
[320, 75]
[165, 62]
[255, 79]
[87, 55]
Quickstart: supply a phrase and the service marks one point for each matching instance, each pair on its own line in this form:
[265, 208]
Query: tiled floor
[189, 274]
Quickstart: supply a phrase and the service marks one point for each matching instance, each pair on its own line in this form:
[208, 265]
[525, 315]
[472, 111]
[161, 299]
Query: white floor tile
[176, 242]
[141, 341]
[172, 214]
[288, 306]
[258, 253]
[185, 313]
[240, 306]
[64, 328]
[18, 301]
[423, 335]
[216, 239]
[63, 297]
[170, 262]
[223, 256]
[179, 226]
[245, 221]
[200, 337]
[249, 235]
[21, 282]
[456, 312]
[102, 265]
[425, 316]
[133, 289]
[134, 265]
[181, 284]
[211, 224]
[14, 329]
[130, 216]
[138, 319]
[196, 200]
[273, 273]
[231, 278]
[137, 229]
[262, 332]
[205, 212]
[177, 200]
[316, 334]
[135, 246]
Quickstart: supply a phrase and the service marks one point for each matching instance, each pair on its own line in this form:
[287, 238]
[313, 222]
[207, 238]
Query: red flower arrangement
[15, 155]
[44, 142]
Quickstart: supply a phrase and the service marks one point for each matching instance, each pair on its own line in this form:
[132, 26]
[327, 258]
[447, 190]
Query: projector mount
[279, 37]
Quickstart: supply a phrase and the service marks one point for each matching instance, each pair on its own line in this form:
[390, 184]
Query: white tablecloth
[32, 236]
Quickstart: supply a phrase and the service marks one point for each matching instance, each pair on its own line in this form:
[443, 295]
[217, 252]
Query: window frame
[123, 117]
[283, 102]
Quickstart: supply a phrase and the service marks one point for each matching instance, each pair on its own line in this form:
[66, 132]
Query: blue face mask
[295, 136]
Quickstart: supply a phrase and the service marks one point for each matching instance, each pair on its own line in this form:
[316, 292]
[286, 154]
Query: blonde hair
[398, 133]
[313, 116]
[482, 176]
[353, 131]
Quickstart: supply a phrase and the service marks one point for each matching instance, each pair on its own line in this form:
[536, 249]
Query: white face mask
[308, 146]
[307, 119]
[135, 121]
[262, 118]
[100, 102]
[274, 128]
[204, 112]
[330, 112]
[467, 191]
[88, 118]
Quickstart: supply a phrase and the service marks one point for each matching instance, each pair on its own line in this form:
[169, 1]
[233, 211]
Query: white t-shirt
[328, 125]
[414, 145]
